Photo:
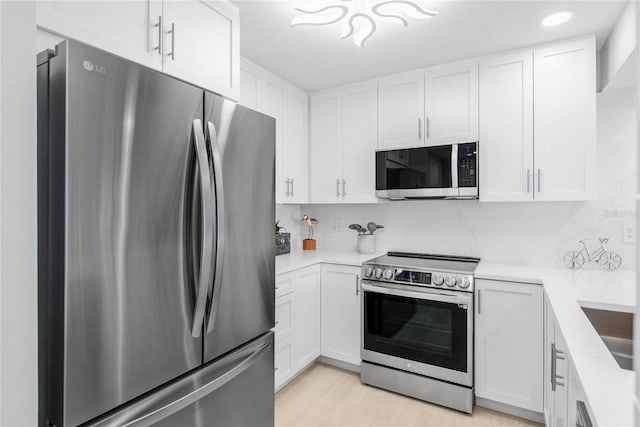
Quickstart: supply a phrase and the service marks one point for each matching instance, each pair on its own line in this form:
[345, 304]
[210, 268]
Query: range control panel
[434, 279]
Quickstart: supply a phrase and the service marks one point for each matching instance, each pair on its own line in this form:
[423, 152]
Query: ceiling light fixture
[557, 18]
[360, 17]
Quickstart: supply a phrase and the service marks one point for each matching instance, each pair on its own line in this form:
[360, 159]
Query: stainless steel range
[417, 335]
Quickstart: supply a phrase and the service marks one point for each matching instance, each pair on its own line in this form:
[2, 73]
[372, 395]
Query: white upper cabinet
[201, 44]
[401, 111]
[509, 339]
[270, 101]
[249, 88]
[295, 117]
[325, 141]
[359, 137]
[451, 104]
[565, 120]
[506, 131]
[126, 28]
[194, 40]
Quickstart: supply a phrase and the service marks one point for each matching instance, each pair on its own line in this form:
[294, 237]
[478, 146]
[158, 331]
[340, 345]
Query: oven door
[423, 331]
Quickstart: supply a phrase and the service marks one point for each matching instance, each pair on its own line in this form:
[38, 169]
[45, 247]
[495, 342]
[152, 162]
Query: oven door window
[425, 331]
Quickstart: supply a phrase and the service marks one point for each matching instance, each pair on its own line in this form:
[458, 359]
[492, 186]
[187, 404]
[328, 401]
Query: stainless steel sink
[616, 330]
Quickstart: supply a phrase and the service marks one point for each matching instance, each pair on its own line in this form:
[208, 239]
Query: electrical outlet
[629, 233]
[339, 224]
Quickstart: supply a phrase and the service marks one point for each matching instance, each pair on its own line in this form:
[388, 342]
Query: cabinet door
[248, 88]
[565, 120]
[201, 44]
[271, 102]
[506, 128]
[325, 134]
[284, 315]
[306, 317]
[509, 338]
[401, 111]
[451, 104]
[283, 360]
[359, 139]
[125, 28]
[560, 396]
[341, 317]
[294, 142]
[549, 341]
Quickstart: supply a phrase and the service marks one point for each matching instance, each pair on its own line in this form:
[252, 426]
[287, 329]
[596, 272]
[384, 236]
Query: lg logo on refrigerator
[90, 66]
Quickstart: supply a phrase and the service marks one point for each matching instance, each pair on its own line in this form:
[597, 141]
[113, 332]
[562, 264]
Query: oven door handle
[431, 296]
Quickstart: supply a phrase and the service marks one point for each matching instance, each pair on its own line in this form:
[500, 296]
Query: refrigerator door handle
[220, 226]
[204, 278]
[181, 394]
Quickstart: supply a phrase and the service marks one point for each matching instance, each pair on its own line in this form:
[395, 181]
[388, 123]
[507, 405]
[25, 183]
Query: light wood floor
[327, 396]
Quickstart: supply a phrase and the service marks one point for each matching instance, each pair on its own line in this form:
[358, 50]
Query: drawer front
[284, 284]
[283, 315]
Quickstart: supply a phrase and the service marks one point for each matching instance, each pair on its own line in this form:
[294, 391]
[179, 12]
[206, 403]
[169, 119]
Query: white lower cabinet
[557, 374]
[508, 338]
[341, 313]
[297, 329]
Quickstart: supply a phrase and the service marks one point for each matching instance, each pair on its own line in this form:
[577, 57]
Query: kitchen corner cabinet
[537, 124]
[197, 41]
[341, 318]
[297, 326]
[451, 103]
[401, 111]
[343, 141]
[557, 372]
[509, 335]
[269, 94]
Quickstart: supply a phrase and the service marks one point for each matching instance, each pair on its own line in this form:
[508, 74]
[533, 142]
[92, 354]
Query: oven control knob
[388, 274]
[438, 279]
[368, 271]
[451, 281]
[378, 273]
[464, 283]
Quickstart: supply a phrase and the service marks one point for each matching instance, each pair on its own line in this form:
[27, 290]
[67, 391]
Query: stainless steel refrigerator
[156, 255]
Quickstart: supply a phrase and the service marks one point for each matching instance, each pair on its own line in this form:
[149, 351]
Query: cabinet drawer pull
[159, 25]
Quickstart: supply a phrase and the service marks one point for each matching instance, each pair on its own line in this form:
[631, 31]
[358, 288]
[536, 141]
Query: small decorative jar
[366, 243]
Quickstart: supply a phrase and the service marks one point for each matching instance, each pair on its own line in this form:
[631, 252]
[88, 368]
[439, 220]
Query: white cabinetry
[537, 124]
[565, 120]
[556, 373]
[509, 336]
[341, 317]
[195, 40]
[401, 110]
[269, 94]
[506, 133]
[451, 103]
[343, 141]
[297, 328]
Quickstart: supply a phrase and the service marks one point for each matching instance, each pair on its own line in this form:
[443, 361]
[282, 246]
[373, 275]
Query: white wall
[530, 233]
[18, 295]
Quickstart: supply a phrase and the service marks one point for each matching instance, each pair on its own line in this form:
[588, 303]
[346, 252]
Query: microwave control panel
[467, 165]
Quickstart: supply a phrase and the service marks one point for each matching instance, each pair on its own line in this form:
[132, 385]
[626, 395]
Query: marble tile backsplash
[529, 233]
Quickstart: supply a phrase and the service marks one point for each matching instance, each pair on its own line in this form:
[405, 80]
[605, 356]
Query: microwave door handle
[206, 192]
[216, 156]
[454, 165]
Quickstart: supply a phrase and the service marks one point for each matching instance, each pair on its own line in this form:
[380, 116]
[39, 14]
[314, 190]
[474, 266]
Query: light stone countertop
[300, 259]
[609, 389]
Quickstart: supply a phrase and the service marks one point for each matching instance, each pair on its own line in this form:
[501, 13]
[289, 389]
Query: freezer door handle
[204, 276]
[220, 226]
[162, 404]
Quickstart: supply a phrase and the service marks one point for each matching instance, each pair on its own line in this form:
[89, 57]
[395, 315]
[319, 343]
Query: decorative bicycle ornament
[607, 259]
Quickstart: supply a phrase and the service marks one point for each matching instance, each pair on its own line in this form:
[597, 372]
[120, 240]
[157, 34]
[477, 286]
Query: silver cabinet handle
[291, 187]
[344, 188]
[419, 128]
[172, 31]
[338, 188]
[426, 124]
[159, 25]
[559, 383]
[287, 192]
[357, 285]
[220, 226]
[479, 301]
[539, 173]
[528, 180]
[206, 251]
[277, 322]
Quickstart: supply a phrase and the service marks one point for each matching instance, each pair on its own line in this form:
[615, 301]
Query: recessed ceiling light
[557, 18]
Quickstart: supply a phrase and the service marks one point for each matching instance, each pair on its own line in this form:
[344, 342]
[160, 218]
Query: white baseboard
[511, 410]
[339, 364]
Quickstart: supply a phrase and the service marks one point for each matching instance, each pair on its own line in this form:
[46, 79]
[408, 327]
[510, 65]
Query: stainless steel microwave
[441, 171]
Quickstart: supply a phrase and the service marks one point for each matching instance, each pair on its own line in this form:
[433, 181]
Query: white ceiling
[314, 57]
